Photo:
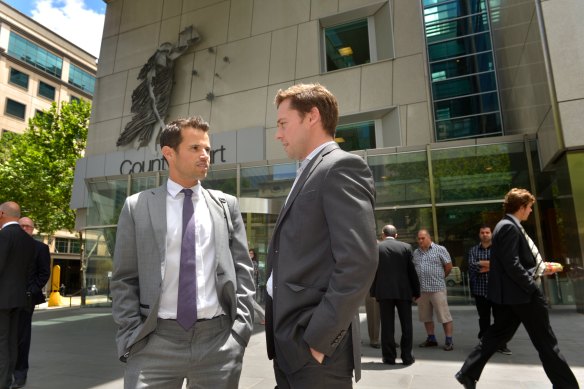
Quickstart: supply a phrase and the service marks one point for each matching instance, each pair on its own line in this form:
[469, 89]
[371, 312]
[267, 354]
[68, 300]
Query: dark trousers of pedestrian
[387, 313]
[24, 335]
[372, 311]
[484, 309]
[535, 318]
[8, 344]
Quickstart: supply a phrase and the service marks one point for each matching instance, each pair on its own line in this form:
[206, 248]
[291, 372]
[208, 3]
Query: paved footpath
[73, 348]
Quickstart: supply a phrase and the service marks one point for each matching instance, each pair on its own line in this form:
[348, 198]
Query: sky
[78, 21]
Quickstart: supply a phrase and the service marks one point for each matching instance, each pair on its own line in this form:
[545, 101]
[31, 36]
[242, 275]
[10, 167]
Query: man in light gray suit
[323, 254]
[183, 304]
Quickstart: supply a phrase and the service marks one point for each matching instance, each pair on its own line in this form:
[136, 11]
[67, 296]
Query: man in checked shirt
[479, 257]
[433, 264]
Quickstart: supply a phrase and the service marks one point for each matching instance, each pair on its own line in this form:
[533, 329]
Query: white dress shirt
[207, 300]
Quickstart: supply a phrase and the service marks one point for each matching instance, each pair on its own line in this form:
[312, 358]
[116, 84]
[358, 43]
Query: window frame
[11, 115]
[10, 80]
[41, 83]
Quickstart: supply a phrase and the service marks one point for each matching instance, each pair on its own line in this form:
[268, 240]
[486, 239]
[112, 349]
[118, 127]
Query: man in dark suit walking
[36, 281]
[16, 259]
[515, 274]
[322, 256]
[396, 284]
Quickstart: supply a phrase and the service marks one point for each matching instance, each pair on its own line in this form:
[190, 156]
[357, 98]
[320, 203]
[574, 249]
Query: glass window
[224, 180]
[74, 99]
[46, 90]
[466, 106]
[456, 27]
[347, 45]
[74, 246]
[461, 66]
[106, 201]
[408, 222]
[81, 79]
[356, 136]
[273, 181]
[139, 184]
[16, 109]
[61, 245]
[400, 179]
[468, 127]
[18, 78]
[34, 55]
[466, 85]
[459, 46]
[483, 172]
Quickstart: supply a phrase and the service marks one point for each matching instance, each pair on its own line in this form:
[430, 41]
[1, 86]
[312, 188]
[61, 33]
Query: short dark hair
[303, 97]
[171, 135]
[517, 198]
[483, 226]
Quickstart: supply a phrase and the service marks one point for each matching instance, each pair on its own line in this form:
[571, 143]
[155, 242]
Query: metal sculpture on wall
[150, 99]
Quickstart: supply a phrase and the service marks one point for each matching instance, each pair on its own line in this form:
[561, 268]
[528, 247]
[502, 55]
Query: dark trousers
[404, 311]
[484, 309]
[24, 335]
[8, 344]
[534, 317]
[335, 371]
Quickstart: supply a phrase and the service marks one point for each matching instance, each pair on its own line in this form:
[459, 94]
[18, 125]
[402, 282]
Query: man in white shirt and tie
[182, 283]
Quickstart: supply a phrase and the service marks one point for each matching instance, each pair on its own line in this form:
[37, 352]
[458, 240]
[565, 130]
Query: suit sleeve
[508, 241]
[348, 199]
[124, 285]
[244, 275]
[413, 275]
[43, 268]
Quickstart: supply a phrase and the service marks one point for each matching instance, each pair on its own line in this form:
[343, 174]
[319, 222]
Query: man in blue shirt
[479, 258]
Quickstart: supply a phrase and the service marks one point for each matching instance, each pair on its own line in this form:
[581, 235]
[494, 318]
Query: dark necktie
[186, 310]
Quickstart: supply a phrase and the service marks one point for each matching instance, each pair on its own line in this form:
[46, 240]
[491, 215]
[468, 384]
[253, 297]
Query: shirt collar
[9, 223]
[315, 152]
[514, 219]
[174, 189]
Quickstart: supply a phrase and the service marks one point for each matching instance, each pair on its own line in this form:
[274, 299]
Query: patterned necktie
[186, 310]
[538, 260]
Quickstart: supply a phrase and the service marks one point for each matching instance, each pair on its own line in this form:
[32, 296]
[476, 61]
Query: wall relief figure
[151, 98]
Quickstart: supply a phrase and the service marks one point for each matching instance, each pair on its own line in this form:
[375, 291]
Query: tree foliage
[37, 167]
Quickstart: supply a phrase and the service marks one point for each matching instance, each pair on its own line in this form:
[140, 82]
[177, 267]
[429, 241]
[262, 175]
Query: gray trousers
[207, 356]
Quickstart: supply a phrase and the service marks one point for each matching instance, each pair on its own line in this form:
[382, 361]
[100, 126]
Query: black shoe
[18, 383]
[504, 350]
[388, 361]
[449, 346]
[465, 381]
[429, 343]
[408, 362]
[375, 345]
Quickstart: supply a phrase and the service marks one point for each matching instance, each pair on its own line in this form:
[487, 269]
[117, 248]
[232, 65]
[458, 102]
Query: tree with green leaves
[37, 167]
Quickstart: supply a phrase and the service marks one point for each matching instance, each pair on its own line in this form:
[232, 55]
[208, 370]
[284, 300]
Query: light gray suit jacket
[323, 255]
[140, 259]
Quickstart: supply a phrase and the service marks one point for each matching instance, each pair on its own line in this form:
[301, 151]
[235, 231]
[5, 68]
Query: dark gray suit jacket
[17, 250]
[396, 276]
[139, 262]
[323, 255]
[512, 265]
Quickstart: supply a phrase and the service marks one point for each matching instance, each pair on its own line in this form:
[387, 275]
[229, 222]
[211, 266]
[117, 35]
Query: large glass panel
[34, 55]
[224, 180]
[139, 184]
[408, 222]
[466, 106]
[97, 259]
[273, 181]
[458, 229]
[347, 45]
[61, 245]
[435, 10]
[468, 127]
[456, 27]
[16, 109]
[46, 90]
[81, 79]
[460, 46]
[484, 172]
[460, 86]
[107, 198]
[18, 78]
[460, 66]
[356, 136]
[400, 179]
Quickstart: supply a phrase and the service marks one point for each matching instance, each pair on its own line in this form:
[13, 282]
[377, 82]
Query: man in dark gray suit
[396, 285]
[16, 263]
[182, 282]
[515, 274]
[322, 256]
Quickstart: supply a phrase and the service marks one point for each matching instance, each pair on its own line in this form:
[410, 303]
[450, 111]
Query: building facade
[450, 102]
[39, 68]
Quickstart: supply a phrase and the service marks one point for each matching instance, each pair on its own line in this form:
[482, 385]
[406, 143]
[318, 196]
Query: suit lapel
[218, 223]
[312, 165]
[157, 212]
